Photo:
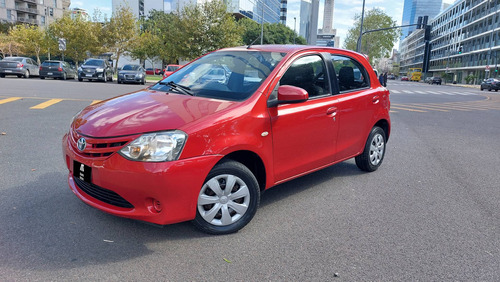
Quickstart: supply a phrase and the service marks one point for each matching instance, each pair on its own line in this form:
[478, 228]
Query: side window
[309, 74]
[351, 75]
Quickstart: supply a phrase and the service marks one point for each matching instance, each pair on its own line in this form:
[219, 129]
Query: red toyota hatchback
[202, 147]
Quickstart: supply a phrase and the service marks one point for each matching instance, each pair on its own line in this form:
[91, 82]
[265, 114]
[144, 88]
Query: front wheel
[228, 199]
[374, 151]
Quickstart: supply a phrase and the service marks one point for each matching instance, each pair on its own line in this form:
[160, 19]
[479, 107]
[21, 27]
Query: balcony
[27, 20]
[30, 1]
[27, 10]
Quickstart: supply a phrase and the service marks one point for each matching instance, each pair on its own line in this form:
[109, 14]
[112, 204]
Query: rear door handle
[375, 99]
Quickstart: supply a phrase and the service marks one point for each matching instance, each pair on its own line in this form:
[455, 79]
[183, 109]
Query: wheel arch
[252, 161]
[384, 124]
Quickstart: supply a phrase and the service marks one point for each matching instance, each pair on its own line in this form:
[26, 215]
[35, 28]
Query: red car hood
[144, 111]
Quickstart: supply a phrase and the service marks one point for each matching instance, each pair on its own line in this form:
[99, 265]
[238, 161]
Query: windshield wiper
[180, 88]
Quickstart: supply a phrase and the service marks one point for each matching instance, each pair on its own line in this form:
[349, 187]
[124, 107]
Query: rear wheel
[27, 74]
[64, 77]
[374, 151]
[228, 199]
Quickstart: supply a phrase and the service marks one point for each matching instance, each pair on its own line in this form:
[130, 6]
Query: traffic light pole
[358, 49]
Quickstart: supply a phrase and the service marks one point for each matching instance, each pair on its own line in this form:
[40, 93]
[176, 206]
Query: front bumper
[91, 75]
[51, 74]
[130, 78]
[174, 185]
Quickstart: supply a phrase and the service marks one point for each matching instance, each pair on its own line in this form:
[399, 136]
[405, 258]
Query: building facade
[412, 9]
[36, 12]
[309, 20]
[464, 41]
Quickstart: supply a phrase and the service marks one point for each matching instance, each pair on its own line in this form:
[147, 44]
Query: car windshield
[97, 63]
[131, 67]
[172, 68]
[226, 75]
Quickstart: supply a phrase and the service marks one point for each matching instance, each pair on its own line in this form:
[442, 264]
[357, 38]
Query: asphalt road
[430, 213]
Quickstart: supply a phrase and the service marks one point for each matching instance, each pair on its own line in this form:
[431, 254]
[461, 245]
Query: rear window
[50, 64]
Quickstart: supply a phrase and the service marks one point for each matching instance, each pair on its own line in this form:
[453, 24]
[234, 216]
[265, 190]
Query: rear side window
[351, 75]
[309, 74]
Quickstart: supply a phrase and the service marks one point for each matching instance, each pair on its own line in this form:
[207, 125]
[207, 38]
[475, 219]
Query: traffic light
[496, 69]
[459, 49]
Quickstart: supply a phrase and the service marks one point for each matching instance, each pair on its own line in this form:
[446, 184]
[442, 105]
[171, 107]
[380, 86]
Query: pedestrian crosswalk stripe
[46, 104]
[408, 91]
[3, 101]
[421, 92]
[395, 91]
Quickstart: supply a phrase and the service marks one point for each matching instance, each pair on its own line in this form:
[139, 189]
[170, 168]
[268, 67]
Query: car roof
[289, 48]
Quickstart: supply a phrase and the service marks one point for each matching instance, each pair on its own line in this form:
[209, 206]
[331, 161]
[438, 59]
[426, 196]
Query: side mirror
[291, 94]
[288, 94]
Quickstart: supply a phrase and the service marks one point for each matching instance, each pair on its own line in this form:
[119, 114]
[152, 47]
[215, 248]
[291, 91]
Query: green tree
[376, 44]
[31, 39]
[275, 33]
[8, 45]
[204, 28]
[82, 37]
[147, 46]
[120, 32]
[163, 26]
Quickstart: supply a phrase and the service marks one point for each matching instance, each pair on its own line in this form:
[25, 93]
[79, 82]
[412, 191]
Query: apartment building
[37, 12]
[465, 40]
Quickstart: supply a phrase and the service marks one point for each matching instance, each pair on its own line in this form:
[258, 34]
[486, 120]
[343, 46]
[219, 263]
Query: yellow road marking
[3, 101]
[95, 102]
[407, 109]
[46, 104]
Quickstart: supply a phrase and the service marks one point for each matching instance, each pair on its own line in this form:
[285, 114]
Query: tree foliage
[204, 28]
[273, 33]
[375, 44]
[163, 26]
[146, 46]
[8, 46]
[81, 36]
[120, 32]
[32, 39]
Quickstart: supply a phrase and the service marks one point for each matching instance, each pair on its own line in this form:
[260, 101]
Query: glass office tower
[413, 9]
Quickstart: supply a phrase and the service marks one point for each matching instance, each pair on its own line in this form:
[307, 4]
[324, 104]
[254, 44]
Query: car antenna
[253, 42]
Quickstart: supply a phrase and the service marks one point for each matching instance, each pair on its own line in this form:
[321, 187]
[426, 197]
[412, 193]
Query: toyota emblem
[82, 144]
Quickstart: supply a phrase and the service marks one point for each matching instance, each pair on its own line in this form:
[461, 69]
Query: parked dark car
[132, 73]
[57, 69]
[436, 80]
[20, 66]
[95, 69]
[490, 84]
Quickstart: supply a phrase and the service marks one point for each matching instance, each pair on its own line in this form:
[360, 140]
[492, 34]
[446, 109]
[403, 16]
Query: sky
[343, 16]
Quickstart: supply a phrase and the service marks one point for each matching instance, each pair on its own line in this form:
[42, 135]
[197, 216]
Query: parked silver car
[20, 66]
[132, 73]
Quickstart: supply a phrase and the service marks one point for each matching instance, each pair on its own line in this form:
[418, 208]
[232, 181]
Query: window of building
[51, 12]
[55, 3]
[9, 14]
[43, 20]
[2, 3]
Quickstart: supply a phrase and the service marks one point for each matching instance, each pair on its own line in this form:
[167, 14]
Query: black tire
[373, 154]
[80, 79]
[26, 74]
[2, 75]
[118, 81]
[65, 76]
[143, 81]
[489, 88]
[211, 215]
[42, 77]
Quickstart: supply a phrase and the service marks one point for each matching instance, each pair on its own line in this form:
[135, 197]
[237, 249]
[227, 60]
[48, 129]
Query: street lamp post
[358, 48]
[294, 28]
[262, 25]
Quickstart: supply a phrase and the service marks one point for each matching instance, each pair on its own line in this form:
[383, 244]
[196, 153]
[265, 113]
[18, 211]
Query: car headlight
[99, 70]
[156, 147]
[139, 75]
[120, 74]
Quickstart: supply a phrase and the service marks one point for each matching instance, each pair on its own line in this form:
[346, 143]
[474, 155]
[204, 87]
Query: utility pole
[294, 28]
[358, 47]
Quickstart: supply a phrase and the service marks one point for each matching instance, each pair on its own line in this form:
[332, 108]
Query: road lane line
[3, 101]
[407, 109]
[46, 104]
[394, 91]
[95, 102]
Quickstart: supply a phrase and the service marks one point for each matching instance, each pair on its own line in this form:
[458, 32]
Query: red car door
[304, 134]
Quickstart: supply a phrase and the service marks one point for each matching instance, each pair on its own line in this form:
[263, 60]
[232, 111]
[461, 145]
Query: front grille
[130, 76]
[99, 147]
[103, 195]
